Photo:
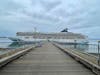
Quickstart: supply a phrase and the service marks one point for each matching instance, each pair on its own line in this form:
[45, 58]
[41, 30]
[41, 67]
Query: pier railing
[90, 60]
[12, 51]
[10, 48]
[88, 51]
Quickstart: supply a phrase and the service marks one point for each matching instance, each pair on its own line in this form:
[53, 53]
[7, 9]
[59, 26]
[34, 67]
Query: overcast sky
[80, 16]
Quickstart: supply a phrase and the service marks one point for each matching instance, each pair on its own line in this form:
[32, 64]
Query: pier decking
[45, 60]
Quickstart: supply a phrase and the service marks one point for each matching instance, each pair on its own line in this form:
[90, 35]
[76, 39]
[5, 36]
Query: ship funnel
[65, 30]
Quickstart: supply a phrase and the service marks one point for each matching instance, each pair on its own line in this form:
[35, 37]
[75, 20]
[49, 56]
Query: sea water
[92, 48]
[4, 42]
[7, 45]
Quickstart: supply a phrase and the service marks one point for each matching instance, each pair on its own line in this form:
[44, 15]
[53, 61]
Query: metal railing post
[75, 43]
[99, 53]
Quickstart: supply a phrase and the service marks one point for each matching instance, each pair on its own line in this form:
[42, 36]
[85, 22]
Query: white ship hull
[59, 37]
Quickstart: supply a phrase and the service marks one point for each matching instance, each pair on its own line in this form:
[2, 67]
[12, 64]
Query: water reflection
[86, 48]
[15, 45]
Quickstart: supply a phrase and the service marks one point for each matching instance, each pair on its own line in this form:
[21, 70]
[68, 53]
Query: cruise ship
[63, 36]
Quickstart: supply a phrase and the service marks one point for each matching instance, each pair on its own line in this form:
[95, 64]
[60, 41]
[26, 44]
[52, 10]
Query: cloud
[50, 5]
[49, 16]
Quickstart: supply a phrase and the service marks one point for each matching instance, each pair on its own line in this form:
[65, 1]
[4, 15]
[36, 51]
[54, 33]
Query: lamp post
[75, 43]
[99, 53]
[35, 35]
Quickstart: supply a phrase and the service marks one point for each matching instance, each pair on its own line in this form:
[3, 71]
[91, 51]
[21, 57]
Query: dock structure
[45, 60]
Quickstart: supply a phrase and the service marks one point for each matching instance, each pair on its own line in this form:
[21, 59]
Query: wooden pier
[45, 60]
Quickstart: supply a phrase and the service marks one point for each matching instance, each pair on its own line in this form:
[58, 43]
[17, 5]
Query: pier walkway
[45, 60]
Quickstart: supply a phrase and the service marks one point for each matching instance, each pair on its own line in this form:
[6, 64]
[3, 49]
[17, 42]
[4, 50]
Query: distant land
[94, 38]
[3, 37]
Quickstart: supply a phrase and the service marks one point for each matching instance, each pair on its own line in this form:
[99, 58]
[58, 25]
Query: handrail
[14, 55]
[81, 57]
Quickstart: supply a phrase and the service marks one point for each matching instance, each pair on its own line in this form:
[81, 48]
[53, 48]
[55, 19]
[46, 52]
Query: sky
[79, 16]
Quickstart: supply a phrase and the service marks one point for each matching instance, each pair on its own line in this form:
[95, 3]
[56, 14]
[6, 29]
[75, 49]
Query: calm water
[6, 43]
[92, 47]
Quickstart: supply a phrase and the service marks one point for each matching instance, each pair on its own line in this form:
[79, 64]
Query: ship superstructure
[63, 36]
